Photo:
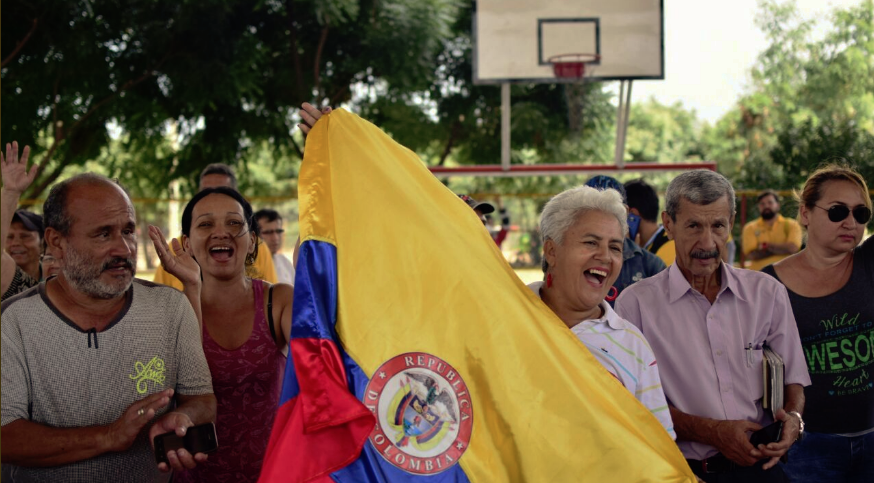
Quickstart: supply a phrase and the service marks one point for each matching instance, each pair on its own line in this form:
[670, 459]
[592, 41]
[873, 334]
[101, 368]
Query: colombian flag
[418, 355]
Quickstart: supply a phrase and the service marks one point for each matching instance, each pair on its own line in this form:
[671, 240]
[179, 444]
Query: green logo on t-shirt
[153, 371]
[843, 347]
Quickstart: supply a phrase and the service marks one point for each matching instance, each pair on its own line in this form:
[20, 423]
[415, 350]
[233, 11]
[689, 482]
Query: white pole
[620, 113]
[620, 158]
[505, 126]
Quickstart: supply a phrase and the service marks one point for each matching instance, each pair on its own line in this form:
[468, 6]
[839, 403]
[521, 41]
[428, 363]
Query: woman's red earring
[548, 280]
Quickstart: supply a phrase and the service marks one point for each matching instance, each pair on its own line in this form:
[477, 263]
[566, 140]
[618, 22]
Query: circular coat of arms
[423, 411]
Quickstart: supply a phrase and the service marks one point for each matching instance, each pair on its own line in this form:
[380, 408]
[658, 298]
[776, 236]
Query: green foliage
[229, 75]
[660, 133]
[183, 84]
[812, 100]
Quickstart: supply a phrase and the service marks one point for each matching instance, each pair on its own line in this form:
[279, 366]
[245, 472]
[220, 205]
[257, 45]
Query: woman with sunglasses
[831, 286]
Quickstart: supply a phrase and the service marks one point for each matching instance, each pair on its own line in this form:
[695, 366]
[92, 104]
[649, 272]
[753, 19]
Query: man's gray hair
[700, 187]
[565, 208]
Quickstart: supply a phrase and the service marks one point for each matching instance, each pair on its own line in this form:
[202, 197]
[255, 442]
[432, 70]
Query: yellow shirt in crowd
[263, 267]
[756, 232]
[667, 252]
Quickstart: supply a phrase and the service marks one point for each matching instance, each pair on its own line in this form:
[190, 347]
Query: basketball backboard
[515, 38]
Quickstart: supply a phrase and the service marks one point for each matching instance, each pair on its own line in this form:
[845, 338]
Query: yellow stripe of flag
[417, 271]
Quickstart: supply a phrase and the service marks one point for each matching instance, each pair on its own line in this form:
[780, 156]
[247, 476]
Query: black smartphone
[769, 434]
[197, 439]
[633, 226]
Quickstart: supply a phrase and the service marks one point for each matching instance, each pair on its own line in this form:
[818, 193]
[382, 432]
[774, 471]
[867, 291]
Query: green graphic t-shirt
[837, 334]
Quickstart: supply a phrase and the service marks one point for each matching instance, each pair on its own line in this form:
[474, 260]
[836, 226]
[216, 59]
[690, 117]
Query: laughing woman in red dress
[245, 324]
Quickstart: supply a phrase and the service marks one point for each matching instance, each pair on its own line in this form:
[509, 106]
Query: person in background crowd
[24, 242]
[707, 323]
[501, 234]
[584, 231]
[643, 201]
[730, 251]
[213, 176]
[246, 324]
[637, 264]
[481, 208]
[25, 230]
[830, 284]
[16, 179]
[270, 223]
[771, 237]
[51, 266]
[96, 363]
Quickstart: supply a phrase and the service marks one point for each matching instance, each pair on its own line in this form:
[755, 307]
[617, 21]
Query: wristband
[800, 423]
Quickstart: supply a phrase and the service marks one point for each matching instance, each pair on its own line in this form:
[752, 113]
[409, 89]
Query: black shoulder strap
[659, 241]
[270, 312]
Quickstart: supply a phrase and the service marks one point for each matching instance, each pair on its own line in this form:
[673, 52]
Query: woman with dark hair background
[16, 179]
[830, 284]
[245, 324]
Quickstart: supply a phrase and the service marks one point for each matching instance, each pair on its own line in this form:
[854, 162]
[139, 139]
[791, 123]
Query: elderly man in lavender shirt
[707, 323]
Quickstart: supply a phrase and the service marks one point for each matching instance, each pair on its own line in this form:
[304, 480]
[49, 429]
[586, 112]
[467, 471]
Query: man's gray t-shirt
[58, 375]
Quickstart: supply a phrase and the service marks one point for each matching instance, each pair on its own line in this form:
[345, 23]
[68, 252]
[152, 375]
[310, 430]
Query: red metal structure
[563, 169]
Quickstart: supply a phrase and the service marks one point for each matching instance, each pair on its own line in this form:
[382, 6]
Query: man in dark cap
[24, 241]
[481, 208]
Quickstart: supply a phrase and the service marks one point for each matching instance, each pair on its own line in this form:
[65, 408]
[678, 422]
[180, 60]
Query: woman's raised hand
[182, 266]
[310, 114]
[16, 177]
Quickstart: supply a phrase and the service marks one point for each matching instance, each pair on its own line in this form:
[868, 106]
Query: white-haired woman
[583, 231]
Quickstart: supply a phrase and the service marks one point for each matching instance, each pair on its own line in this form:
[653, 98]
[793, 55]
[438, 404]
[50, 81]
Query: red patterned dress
[246, 382]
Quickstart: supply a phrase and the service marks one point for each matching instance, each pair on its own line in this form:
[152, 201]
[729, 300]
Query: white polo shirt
[622, 349]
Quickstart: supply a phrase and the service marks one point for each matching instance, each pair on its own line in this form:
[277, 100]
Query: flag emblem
[423, 411]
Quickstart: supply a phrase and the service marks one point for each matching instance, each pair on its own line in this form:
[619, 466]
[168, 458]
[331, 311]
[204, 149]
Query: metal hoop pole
[617, 155]
[620, 161]
[505, 126]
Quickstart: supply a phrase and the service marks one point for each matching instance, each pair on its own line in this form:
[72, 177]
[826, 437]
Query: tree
[227, 74]
[837, 119]
[456, 121]
[660, 133]
[811, 101]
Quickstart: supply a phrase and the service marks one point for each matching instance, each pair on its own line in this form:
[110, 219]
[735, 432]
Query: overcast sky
[709, 50]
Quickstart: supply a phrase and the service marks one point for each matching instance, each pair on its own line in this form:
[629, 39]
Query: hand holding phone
[769, 434]
[197, 439]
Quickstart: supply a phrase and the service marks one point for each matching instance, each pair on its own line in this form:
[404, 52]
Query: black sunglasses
[838, 213]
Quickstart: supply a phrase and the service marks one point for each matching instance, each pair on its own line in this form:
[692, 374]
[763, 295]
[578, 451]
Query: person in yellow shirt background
[771, 237]
[213, 176]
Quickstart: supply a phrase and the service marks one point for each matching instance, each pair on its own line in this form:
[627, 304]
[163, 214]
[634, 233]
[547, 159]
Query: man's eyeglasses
[47, 259]
[838, 213]
[277, 231]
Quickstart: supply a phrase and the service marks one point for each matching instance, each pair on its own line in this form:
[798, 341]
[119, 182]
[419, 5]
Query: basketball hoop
[571, 70]
[571, 66]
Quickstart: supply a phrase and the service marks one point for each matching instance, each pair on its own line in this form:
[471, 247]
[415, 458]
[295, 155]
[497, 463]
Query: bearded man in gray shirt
[95, 363]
